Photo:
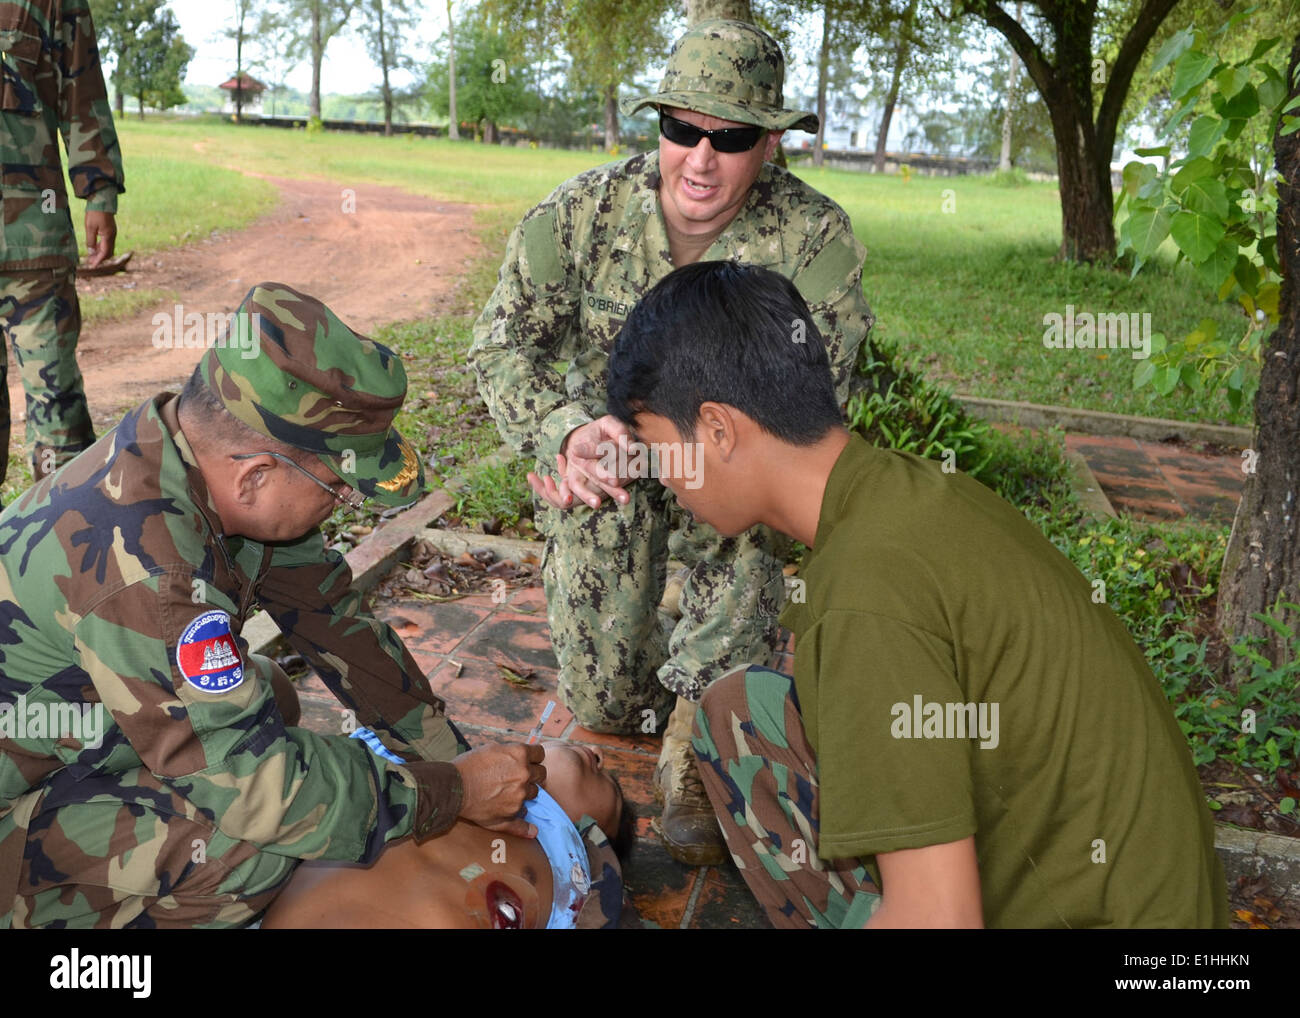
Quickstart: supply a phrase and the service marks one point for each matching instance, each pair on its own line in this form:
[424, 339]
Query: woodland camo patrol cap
[727, 69]
[316, 385]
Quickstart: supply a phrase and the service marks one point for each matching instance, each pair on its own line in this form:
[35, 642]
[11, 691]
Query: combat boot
[688, 825]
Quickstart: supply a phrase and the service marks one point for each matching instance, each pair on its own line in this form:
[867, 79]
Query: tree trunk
[895, 82]
[453, 125]
[490, 132]
[611, 116]
[823, 72]
[1087, 201]
[119, 99]
[239, 70]
[707, 10]
[1263, 559]
[317, 54]
[1004, 162]
[139, 100]
[383, 61]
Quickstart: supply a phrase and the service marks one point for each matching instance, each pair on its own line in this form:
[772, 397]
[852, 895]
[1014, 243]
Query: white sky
[347, 68]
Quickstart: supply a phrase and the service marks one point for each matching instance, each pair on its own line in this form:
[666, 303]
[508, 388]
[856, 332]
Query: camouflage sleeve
[308, 591]
[181, 689]
[85, 119]
[830, 279]
[523, 330]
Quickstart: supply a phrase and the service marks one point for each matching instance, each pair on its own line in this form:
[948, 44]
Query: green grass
[104, 307]
[965, 293]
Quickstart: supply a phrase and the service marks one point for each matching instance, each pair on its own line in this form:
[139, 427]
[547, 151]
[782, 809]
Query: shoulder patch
[206, 654]
[830, 270]
[539, 246]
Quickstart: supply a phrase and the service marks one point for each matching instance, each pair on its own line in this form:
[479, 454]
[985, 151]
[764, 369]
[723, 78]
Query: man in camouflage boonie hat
[728, 69]
[313, 389]
[574, 268]
[151, 769]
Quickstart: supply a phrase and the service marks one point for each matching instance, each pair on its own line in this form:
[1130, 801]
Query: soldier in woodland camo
[50, 84]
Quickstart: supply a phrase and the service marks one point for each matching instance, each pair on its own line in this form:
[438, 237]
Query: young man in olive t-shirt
[969, 738]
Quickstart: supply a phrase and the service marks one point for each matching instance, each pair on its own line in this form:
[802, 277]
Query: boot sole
[691, 855]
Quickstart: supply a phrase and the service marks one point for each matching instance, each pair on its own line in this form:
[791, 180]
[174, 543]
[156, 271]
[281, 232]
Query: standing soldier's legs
[761, 775]
[604, 572]
[42, 321]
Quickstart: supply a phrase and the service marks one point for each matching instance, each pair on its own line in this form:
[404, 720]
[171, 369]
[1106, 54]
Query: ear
[773, 140]
[717, 426]
[249, 479]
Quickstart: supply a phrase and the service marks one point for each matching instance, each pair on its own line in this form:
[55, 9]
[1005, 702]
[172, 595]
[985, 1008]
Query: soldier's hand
[589, 465]
[101, 234]
[496, 781]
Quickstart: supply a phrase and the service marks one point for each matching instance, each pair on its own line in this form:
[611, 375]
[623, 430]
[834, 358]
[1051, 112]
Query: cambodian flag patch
[207, 656]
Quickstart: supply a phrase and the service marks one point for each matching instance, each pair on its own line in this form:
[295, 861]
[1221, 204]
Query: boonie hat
[290, 370]
[727, 69]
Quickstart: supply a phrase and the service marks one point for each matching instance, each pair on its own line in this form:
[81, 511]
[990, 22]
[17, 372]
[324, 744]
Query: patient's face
[576, 779]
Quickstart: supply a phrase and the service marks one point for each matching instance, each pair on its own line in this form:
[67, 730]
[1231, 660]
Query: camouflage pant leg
[42, 320]
[761, 776]
[129, 852]
[604, 572]
[730, 603]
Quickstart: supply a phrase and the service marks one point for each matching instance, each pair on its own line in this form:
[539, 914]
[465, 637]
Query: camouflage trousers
[42, 321]
[621, 663]
[761, 776]
[126, 850]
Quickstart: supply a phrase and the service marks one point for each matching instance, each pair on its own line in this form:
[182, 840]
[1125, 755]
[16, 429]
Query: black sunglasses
[727, 139]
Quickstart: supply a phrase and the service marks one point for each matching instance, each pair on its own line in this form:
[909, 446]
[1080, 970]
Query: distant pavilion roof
[244, 83]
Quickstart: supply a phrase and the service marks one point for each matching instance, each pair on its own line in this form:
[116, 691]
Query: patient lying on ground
[473, 878]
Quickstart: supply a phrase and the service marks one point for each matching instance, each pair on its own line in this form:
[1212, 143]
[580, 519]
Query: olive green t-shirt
[957, 675]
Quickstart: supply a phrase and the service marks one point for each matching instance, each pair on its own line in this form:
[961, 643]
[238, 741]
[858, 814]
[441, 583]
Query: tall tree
[453, 121]
[388, 26]
[490, 81]
[610, 41]
[903, 46]
[1065, 72]
[1013, 71]
[1263, 559]
[155, 62]
[118, 23]
[315, 24]
[238, 33]
[276, 57]
[707, 10]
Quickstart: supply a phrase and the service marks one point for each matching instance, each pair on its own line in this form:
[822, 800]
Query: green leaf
[1191, 71]
[1191, 378]
[1196, 235]
[1207, 196]
[1232, 80]
[1218, 267]
[1262, 47]
[1152, 152]
[1247, 275]
[1143, 373]
[1268, 252]
[1166, 380]
[1193, 169]
[1148, 228]
[1286, 806]
[1242, 106]
[1205, 134]
[1136, 174]
[1176, 45]
[1272, 90]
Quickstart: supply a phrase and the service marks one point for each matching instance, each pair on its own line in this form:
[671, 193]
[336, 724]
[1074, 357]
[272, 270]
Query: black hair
[728, 332]
[622, 839]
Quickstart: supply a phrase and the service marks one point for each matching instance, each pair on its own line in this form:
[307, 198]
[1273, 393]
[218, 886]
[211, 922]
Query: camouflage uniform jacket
[51, 82]
[103, 568]
[578, 262]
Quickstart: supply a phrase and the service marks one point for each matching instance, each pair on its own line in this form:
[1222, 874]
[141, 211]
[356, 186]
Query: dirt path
[395, 258]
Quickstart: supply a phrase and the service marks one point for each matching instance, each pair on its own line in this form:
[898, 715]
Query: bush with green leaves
[1217, 202]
